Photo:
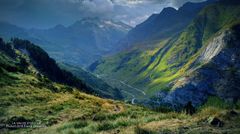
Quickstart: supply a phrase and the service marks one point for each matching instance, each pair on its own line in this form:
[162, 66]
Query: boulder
[214, 121]
[233, 113]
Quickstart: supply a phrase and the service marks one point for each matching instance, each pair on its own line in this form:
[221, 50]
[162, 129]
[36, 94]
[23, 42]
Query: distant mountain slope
[158, 67]
[92, 80]
[80, 43]
[46, 66]
[163, 25]
[9, 30]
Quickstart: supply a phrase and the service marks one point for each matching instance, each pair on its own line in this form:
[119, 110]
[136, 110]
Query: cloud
[178, 3]
[97, 7]
[47, 13]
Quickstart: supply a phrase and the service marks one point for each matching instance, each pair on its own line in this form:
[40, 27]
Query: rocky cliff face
[218, 73]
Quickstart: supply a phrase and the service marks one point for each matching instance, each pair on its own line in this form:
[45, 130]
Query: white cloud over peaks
[178, 3]
[98, 6]
[47, 13]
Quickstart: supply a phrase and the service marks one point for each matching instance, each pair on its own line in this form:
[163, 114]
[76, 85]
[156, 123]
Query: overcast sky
[47, 13]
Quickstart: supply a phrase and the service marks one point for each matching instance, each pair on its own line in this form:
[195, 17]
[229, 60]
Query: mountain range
[163, 53]
[187, 64]
[167, 23]
[88, 38]
[181, 67]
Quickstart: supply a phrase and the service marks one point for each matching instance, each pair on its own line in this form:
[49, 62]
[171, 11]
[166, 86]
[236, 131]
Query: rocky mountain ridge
[165, 70]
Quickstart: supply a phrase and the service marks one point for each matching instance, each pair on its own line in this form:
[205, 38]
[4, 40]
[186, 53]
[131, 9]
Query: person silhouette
[190, 110]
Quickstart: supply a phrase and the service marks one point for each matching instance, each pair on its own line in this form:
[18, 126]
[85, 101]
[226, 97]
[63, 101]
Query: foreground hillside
[32, 103]
[45, 65]
[188, 66]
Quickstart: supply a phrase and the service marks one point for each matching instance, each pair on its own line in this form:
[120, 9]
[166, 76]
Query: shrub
[217, 103]
[99, 117]
[123, 123]
[166, 131]
[51, 121]
[105, 126]
[139, 130]
[80, 124]
[18, 119]
[162, 109]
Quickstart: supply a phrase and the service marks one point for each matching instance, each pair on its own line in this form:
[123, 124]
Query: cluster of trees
[7, 48]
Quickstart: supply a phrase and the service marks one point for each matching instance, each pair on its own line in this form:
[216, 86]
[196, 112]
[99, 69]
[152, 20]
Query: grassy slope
[28, 97]
[76, 112]
[51, 70]
[171, 58]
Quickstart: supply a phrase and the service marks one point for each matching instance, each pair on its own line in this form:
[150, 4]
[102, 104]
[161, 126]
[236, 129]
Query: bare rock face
[213, 48]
